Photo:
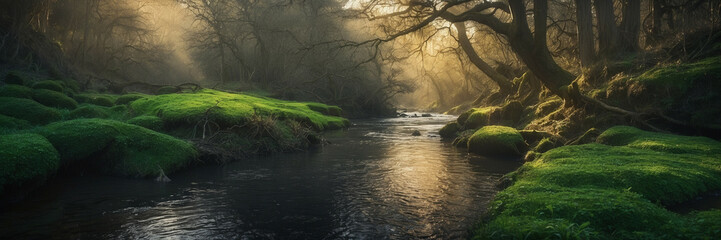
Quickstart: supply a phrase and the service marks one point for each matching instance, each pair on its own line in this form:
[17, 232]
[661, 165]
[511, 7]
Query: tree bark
[607, 29]
[630, 26]
[584, 26]
[504, 84]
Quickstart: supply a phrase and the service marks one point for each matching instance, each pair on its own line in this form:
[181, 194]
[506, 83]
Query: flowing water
[374, 181]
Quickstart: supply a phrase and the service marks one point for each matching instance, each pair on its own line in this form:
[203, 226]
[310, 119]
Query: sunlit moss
[16, 91]
[475, 117]
[149, 122]
[228, 109]
[130, 97]
[497, 141]
[28, 110]
[609, 192]
[25, 157]
[118, 148]
[54, 99]
[681, 77]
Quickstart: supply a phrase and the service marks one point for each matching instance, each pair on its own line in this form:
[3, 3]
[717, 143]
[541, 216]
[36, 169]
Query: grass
[228, 109]
[681, 77]
[617, 191]
[124, 149]
[497, 141]
[25, 157]
[28, 110]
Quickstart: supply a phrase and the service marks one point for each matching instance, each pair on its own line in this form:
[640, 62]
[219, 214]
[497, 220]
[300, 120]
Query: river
[374, 181]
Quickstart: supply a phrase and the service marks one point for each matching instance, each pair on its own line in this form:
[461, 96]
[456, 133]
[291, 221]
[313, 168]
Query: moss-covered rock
[544, 145]
[149, 122]
[130, 97]
[25, 157]
[13, 77]
[54, 99]
[89, 111]
[228, 109]
[16, 91]
[28, 110]
[13, 123]
[103, 101]
[475, 117]
[450, 130]
[325, 109]
[50, 85]
[497, 141]
[611, 192]
[511, 113]
[118, 148]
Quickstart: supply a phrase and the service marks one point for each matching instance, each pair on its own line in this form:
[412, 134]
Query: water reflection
[375, 182]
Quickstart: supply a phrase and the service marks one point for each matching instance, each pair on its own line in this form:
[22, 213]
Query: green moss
[681, 77]
[544, 145]
[130, 97]
[89, 111]
[149, 122]
[548, 107]
[28, 110]
[167, 90]
[100, 99]
[228, 109]
[54, 99]
[511, 112]
[16, 91]
[14, 77]
[497, 141]
[25, 157]
[50, 85]
[475, 117]
[13, 123]
[612, 191]
[103, 101]
[462, 139]
[450, 130]
[118, 148]
[325, 109]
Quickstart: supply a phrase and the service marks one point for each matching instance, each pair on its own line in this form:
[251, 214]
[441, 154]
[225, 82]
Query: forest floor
[593, 174]
[49, 127]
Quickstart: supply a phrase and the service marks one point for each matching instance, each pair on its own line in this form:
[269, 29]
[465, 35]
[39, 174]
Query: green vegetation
[228, 109]
[475, 117]
[25, 157]
[599, 191]
[28, 110]
[89, 111]
[450, 130]
[130, 97]
[14, 77]
[12, 123]
[681, 77]
[497, 141]
[54, 99]
[16, 91]
[50, 85]
[105, 100]
[124, 149]
[149, 122]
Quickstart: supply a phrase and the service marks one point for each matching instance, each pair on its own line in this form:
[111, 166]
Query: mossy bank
[49, 128]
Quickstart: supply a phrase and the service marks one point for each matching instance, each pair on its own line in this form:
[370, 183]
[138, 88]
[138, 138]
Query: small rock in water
[162, 177]
[426, 115]
[416, 133]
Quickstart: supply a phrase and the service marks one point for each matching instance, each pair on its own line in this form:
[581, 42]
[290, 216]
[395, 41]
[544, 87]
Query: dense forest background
[364, 55]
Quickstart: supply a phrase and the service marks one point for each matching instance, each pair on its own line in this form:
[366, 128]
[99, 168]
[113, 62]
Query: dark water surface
[375, 181]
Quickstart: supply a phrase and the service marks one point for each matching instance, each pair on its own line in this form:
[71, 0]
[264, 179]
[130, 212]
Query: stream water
[374, 181]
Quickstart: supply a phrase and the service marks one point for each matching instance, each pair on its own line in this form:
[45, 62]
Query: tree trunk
[630, 25]
[657, 18]
[504, 83]
[586, 46]
[537, 57]
[607, 29]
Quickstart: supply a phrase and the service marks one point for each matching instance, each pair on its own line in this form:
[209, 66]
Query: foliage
[149, 122]
[13, 123]
[25, 157]
[16, 91]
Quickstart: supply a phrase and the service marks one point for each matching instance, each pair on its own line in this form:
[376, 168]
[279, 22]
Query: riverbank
[49, 126]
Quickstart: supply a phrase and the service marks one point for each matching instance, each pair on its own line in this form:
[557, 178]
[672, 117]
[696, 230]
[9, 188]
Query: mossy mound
[89, 111]
[118, 148]
[54, 99]
[16, 91]
[105, 100]
[13, 123]
[28, 110]
[130, 97]
[25, 157]
[149, 122]
[228, 109]
[325, 109]
[610, 192]
[50, 85]
[475, 117]
[497, 141]
[450, 130]
[13, 77]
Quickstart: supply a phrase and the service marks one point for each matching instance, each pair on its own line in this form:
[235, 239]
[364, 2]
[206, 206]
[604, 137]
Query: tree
[584, 23]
